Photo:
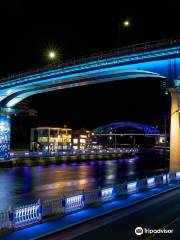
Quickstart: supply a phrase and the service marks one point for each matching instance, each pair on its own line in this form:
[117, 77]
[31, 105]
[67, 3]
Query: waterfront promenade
[133, 199]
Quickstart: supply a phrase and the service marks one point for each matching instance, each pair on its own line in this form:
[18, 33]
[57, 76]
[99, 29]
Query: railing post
[11, 217]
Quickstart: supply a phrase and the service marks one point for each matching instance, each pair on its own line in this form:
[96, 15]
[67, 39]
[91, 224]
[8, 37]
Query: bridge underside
[10, 99]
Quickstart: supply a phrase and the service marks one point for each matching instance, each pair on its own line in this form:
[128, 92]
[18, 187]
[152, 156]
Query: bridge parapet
[135, 48]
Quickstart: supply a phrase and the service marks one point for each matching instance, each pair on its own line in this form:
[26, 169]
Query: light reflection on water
[21, 185]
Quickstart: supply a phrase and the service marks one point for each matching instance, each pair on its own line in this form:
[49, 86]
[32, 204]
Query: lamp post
[122, 24]
[165, 132]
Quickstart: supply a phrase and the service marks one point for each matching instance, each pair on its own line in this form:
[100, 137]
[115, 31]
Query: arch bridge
[146, 129]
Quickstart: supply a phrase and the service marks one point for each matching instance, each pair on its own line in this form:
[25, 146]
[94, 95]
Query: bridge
[109, 128]
[155, 59]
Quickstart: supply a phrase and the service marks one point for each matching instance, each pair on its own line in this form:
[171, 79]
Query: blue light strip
[110, 127]
[100, 63]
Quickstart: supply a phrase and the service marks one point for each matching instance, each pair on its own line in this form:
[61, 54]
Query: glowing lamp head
[126, 23]
[52, 55]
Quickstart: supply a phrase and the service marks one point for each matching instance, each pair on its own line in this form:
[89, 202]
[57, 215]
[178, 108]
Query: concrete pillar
[4, 136]
[175, 131]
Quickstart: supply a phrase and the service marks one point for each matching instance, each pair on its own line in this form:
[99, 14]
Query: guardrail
[24, 216]
[147, 46]
[71, 153]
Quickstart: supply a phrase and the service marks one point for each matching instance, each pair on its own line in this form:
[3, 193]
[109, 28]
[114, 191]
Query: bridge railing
[153, 45]
[24, 216]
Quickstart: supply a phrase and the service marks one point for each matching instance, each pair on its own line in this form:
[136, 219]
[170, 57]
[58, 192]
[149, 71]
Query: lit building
[81, 139]
[50, 139]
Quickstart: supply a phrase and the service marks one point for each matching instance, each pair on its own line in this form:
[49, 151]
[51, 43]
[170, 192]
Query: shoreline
[40, 160]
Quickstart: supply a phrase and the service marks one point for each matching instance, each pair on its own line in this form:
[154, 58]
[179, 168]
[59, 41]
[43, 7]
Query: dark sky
[28, 28]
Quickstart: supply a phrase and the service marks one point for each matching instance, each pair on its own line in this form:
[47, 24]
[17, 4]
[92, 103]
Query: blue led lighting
[153, 63]
[4, 137]
[142, 127]
[107, 61]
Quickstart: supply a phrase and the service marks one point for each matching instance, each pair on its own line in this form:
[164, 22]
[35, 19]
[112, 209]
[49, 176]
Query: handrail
[101, 55]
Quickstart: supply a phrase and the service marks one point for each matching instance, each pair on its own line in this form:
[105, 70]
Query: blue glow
[143, 127]
[4, 137]
[117, 59]
[158, 68]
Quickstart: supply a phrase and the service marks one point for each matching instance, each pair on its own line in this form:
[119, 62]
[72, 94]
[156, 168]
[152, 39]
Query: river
[21, 185]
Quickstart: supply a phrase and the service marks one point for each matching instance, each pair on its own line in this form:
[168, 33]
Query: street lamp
[122, 24]
[126, 23]
[52, 55]
[165, 131]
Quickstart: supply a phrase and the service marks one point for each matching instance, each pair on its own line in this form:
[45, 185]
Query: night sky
[28, 28]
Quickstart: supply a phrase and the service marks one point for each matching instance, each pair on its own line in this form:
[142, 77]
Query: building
[81, 139]
[50, 139]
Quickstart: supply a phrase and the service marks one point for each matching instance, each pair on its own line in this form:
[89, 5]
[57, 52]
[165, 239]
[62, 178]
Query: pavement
[46, 229]
[159, 213]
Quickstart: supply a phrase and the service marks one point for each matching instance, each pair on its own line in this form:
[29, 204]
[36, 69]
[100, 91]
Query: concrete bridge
[155, 59]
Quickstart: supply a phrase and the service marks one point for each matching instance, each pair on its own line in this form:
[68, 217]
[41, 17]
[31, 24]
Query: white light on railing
[27, 215]
[178, 175]
[151, 182]
[74, 202]
[131, 187]
[107, 193]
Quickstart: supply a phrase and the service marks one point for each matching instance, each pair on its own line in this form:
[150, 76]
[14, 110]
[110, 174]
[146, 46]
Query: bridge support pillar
[175, 131]
[5, 128]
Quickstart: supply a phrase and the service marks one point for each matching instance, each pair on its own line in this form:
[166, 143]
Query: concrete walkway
[67, 221]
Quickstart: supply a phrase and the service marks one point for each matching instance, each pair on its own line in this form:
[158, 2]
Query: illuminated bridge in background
[109, 128]
[155, 59]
